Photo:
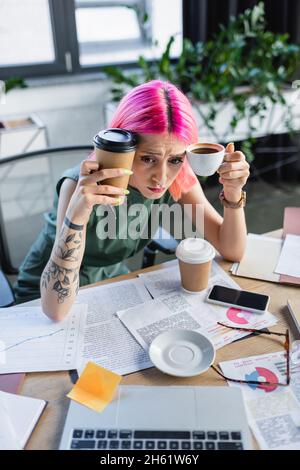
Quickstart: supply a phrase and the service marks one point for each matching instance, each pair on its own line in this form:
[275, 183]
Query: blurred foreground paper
[18, 417]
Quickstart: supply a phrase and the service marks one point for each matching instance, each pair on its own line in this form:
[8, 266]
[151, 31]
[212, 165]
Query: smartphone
[242, 299]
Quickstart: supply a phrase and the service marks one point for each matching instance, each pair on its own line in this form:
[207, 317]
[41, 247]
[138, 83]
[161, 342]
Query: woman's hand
[234, 173]
[89, 191]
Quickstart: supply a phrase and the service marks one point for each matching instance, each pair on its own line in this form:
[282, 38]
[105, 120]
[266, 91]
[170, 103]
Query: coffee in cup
[195, 256]
[204, 150]
[205, 158]
[115, 148]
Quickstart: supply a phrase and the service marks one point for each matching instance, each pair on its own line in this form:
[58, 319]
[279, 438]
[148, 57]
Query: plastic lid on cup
[116, 140]
[195, 251]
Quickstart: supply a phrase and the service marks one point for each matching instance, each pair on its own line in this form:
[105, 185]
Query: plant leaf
[70, 238]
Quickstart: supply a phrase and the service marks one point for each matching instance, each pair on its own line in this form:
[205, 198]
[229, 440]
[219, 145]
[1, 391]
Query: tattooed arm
[60, 278]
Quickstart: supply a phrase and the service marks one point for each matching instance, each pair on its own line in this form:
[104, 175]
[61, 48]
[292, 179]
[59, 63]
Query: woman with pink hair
[69, 252]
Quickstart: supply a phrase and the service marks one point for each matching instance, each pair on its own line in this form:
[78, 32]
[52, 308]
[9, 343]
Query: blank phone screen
[241, 298]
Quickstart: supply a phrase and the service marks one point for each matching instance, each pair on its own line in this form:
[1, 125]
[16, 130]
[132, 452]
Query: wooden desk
[53, 386]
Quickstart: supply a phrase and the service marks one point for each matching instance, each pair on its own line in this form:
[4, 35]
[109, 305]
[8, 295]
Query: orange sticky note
[95, 387]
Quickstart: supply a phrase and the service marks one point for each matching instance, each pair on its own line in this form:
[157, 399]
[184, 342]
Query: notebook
[263, 252]
[18, 417]
[260, 259]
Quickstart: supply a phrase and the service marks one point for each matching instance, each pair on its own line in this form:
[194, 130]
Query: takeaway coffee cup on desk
[205, 158]
[115, 148]
[195, 256]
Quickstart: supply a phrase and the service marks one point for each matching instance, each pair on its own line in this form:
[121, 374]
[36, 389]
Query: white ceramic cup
[205, 164]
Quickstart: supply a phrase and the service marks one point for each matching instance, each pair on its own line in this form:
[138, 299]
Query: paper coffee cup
[205, 158]
[115, 148]
[195, 256]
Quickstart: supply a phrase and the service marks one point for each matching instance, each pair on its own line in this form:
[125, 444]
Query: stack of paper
[18, 417]
[273, 259]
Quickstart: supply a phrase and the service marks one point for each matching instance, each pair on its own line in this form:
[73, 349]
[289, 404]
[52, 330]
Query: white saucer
[183, 353]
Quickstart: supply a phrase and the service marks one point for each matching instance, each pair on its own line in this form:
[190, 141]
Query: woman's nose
[160, 176]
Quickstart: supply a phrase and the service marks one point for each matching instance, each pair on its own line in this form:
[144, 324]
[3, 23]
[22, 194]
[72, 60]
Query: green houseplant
[14, 82]
[10, 84]
[242, 60]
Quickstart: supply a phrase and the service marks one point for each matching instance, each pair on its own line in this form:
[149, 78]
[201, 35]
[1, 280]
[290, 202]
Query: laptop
[161, 418]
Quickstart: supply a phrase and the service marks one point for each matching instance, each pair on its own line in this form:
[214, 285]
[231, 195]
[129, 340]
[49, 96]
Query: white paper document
[31, 342]
[106, 341]
[161, 281]
[18, 417]
[166, 280]
[289, 261]
[273, 411]
[177, 309]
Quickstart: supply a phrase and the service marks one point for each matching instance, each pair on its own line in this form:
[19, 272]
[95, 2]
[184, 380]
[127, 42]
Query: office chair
[161, 242]
[27, 187]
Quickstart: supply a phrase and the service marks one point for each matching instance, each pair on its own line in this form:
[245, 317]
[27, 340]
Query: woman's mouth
[156, 189]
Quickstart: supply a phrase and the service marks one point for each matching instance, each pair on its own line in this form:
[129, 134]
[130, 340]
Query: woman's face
[158, 160]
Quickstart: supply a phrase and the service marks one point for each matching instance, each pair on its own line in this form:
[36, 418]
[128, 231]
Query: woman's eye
[148, 159]
[173, 161]
[176, 161]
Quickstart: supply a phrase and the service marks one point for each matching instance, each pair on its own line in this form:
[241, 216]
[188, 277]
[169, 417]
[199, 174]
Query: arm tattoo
[73, 226]
[68, 246]
[63, 279]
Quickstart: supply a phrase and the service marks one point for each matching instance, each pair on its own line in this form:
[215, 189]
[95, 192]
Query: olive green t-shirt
[103, 256]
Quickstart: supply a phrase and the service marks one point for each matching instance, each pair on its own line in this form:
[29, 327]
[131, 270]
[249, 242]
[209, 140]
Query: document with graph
[31, 342]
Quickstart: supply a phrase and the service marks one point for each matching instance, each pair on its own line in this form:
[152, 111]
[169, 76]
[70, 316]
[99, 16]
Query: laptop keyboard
[124, 439]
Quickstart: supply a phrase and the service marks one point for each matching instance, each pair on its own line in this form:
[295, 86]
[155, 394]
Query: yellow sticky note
[95, 387]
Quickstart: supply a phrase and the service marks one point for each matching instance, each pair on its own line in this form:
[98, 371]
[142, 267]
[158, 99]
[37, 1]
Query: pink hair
[157, 107]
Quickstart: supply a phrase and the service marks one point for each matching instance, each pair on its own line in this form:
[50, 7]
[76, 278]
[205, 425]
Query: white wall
[72, 112]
